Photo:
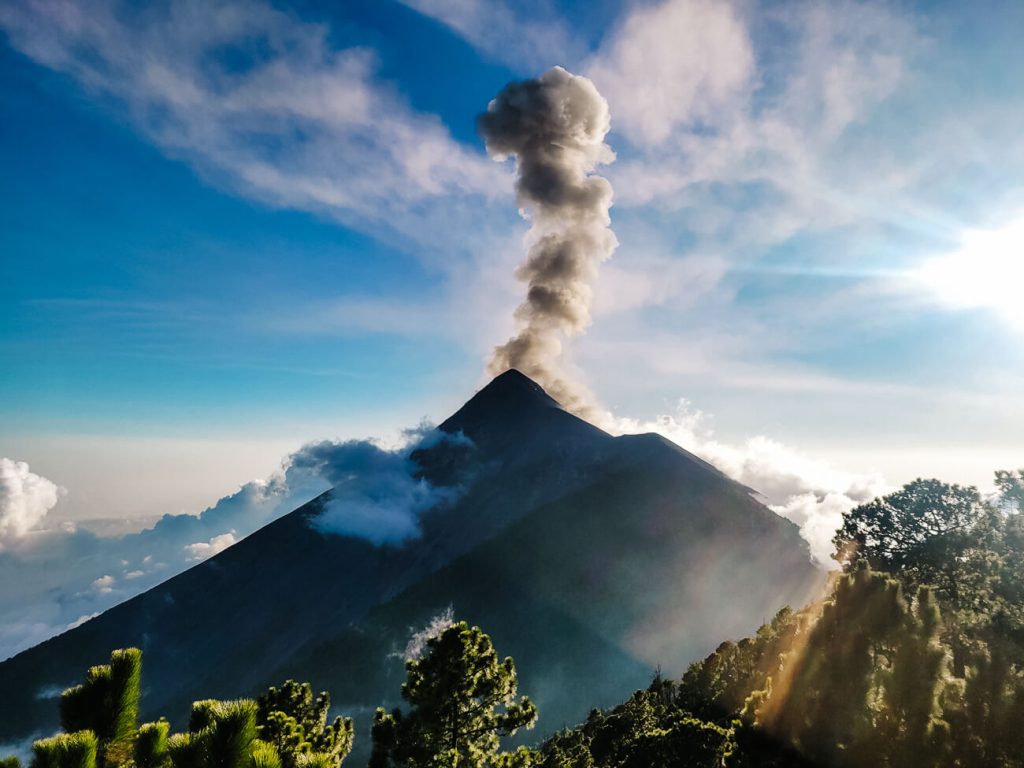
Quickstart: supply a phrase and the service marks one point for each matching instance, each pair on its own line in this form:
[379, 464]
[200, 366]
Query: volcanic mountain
[591, 559]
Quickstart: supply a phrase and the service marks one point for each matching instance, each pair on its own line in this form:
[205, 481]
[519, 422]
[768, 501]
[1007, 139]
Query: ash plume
[554, 126]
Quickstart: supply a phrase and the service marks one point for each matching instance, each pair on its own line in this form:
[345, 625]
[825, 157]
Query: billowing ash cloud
[555, 127]
[25, 498]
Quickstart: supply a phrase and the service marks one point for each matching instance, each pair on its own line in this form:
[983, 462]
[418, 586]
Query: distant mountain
[591, 559]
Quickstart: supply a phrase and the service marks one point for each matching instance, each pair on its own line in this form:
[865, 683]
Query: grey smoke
[555, 127]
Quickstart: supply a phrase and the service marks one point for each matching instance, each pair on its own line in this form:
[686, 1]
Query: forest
[914, 656]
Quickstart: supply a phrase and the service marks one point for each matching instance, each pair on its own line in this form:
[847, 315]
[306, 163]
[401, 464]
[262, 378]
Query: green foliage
[649, 729]
[717, 688]
[150, 748]
[264, 755]
[462, 700]
[1010, 485]
[221, 734]
[186, 750]
[66, 750]
[107, 703]
[10, 762]
[861, 687]
[653, 729]
[923, 532]
[296, 724]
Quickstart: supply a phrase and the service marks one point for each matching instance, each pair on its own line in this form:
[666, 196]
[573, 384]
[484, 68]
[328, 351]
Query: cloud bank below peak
[54, 578]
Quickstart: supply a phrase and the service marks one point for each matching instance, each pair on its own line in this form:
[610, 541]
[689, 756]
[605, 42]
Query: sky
[228, 229]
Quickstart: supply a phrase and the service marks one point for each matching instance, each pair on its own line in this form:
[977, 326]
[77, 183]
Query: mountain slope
[591, 558]
[651, 565]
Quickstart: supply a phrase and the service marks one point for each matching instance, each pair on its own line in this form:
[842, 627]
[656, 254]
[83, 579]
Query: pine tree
[150, 748]
[66, 750]
[107, 703]
[221, 734]
[862, 688]
[296, 724]
[462, 700]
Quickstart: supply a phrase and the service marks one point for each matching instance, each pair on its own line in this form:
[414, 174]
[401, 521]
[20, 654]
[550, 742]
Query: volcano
[591, 559]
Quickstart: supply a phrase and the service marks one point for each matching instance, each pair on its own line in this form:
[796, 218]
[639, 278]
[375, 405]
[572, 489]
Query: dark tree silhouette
[921, 532]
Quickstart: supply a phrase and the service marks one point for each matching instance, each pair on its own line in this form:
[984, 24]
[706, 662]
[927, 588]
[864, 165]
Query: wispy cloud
[259, 101]
[526, 37]
[683, 64]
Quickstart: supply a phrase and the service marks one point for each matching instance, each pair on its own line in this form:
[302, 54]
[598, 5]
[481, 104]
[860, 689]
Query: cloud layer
[60, 577]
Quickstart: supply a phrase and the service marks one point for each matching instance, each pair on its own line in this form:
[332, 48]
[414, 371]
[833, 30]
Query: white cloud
[258, 100]
[53, 583]
[202, 550]
[502, 31]
[25, 498]
[678, 64]
[104, 584]
[77, 623]
[725, 111]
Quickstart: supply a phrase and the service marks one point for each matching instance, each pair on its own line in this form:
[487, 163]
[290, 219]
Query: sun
[986, 271]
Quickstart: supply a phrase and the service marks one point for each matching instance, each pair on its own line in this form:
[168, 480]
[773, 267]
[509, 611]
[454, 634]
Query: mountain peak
[515, 386]
[509, 400]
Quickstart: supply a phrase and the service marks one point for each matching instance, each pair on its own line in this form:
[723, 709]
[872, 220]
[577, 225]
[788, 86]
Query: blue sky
[228, 229]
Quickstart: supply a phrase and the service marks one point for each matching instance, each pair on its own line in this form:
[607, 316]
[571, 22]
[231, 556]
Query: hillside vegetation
[915, 657]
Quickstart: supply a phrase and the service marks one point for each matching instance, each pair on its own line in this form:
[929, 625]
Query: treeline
[461, 701]
[914, 658]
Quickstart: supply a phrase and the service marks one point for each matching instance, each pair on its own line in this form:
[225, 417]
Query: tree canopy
[462, 700]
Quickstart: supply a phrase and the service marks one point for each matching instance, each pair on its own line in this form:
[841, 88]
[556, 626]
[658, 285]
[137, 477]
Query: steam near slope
[802, 489]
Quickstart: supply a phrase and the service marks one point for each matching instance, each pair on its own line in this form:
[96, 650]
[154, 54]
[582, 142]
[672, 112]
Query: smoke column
[555, 127]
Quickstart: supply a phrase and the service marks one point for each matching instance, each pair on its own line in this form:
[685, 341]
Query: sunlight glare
[986, 272]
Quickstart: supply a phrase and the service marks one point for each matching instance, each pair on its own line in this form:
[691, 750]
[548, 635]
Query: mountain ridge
[533, 474]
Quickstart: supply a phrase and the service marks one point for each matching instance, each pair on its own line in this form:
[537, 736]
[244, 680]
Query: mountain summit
[510, 393]
[592, 559]
[514, 408]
